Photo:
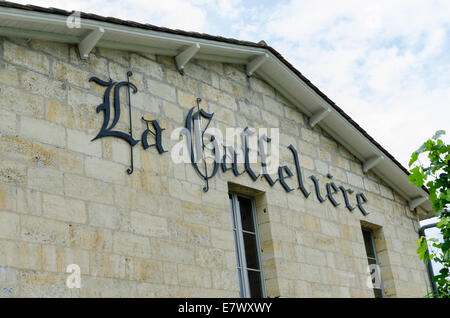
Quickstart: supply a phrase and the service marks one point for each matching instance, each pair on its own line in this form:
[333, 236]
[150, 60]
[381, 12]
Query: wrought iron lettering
[345, 194]
[107, 129]
[316, 186]
[361, 199]
[299, 172]
[196, 136]
[197, 144]
[157, 134]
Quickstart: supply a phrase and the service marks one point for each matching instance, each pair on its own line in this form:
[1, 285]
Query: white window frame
[240, 247]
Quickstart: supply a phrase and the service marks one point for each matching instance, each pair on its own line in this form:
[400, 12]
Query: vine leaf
[417, 177]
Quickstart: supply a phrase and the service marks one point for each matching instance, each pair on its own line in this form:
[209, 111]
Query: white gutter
[57, 20]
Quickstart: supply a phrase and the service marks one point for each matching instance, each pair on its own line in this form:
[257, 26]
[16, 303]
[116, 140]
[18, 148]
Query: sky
[385, 63]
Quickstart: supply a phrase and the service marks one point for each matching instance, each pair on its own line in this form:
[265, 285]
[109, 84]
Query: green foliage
[436, 177]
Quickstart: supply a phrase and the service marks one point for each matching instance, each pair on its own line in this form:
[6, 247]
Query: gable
[257, 59]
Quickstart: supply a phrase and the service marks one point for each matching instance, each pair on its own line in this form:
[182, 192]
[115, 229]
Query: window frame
[238, 231]
[372, 242]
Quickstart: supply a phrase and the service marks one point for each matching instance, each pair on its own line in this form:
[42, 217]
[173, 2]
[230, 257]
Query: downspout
[429, 265]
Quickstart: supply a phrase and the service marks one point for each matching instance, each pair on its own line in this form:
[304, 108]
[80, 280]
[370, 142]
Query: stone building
[84, 191]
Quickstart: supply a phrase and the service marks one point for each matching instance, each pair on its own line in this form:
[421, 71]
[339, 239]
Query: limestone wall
[65, 199]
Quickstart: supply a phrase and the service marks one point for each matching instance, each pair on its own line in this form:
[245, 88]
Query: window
[245, 228]
[374, 266]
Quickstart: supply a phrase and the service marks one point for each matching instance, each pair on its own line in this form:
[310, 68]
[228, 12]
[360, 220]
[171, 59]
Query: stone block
[233, 72]
[180, 81]
[44, 86]
[148, 225]
[9, 225]
[23, 150]
[105, 170]
[90, 238]
[131, 244]
[67, 73]
[29, 201]
[44, 231]
[101, 215]
[46, 179]
[43, 131]
[193, 276]
[79, 141]
[219, 97]
[146, 66]
[88, 189]
[162, 90]
[8, 122]
[12, 172]
[25, 57]
[64, 209]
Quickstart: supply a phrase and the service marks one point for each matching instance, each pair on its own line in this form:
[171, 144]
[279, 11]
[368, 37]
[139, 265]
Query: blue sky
[386, 63]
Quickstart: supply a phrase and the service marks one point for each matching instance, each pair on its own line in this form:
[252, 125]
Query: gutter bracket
[414, 203]
[318, 116]
[255, 63]
[184, 57]
[371, 162]
[88, 43]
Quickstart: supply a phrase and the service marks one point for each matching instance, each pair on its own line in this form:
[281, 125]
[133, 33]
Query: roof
[49, 24]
